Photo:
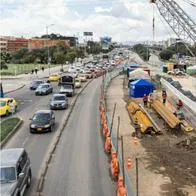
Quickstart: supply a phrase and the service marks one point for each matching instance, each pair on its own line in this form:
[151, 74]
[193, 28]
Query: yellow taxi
[7, 106]
[77, 83]
[54, 77]
[82, 77]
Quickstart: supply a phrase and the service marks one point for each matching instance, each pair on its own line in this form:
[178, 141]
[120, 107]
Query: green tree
[166, 54]
[70, 56]
[59, 57]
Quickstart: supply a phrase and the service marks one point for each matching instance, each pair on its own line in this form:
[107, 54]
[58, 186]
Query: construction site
[159, 134]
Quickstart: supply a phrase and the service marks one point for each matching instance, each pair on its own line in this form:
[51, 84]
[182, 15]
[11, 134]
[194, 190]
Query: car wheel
[7, 113]
[29, 179]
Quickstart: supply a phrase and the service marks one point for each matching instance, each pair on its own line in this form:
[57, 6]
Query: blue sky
[121, 19]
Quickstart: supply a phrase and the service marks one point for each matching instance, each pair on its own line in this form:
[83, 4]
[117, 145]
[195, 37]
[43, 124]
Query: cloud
[121, 19]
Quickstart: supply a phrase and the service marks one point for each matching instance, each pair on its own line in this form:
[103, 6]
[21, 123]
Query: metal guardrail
[188, 102]
[128, 181]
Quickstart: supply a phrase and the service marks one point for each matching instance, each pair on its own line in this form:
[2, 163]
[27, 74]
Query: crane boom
[182, 25]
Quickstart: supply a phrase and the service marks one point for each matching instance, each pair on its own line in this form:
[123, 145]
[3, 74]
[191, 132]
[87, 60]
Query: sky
[123, 20]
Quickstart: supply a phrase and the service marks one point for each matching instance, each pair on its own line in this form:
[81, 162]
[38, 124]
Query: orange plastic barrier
[114, 166]
[105, 129]
[108, 144]
[121, 191]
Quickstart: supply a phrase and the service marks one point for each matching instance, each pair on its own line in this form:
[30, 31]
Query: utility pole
[48, 48]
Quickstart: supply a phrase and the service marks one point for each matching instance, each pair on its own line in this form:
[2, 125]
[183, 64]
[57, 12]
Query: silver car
[59, 101]
[15, 171]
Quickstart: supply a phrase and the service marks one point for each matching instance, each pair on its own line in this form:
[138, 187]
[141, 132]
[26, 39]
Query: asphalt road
[35, 144]
[79, 166]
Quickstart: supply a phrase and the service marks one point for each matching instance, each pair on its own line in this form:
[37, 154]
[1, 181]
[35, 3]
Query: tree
[59, 57]
[166, 54]
[70, 56]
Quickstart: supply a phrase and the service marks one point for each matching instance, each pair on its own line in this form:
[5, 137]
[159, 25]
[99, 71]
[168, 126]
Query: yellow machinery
[136, 112]
[166, 114]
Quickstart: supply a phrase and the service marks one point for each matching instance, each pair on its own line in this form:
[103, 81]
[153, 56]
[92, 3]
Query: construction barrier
[124, 187]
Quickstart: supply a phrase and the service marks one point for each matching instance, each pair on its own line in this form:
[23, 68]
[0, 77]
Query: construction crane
[181, 24]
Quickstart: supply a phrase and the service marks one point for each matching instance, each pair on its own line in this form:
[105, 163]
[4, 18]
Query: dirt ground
[166, 162]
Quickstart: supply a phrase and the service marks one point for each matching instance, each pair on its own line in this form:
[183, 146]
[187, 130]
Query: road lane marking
[25, 141]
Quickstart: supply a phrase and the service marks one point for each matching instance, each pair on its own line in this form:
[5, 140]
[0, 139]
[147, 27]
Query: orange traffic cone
[108, 144]
[114, 166]
[121, 190]
[129, 163]
[135, 141]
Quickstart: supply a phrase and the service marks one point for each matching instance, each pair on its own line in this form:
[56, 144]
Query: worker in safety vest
[108, 144]
[121, 191]
[145, 100]
[164, 96]
[114, 166]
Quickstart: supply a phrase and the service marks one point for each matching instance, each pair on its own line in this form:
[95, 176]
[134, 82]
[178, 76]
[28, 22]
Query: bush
[6, 73]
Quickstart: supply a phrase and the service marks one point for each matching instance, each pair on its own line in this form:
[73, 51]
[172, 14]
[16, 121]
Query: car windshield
[59, 98]
[2, 103]
[42, 86]
[77, 80]
[67, 86]
[36, 82]
[7, 174]
[41, 118]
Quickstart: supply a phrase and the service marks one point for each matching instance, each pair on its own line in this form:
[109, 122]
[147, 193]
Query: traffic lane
[79, 165]
[36, 144]
[26, 97]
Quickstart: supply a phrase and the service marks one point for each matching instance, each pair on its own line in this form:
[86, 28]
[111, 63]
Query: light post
[49, 59]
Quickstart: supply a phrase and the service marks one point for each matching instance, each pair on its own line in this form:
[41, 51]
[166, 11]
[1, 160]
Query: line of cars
[15, 167]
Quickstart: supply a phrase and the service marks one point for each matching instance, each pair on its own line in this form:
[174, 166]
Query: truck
[67, 84]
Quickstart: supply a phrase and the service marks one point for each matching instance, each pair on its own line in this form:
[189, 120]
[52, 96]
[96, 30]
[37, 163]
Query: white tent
[139, 74]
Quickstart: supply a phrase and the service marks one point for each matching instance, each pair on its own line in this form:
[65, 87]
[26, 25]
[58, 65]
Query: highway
[35, 144]
[79, 166]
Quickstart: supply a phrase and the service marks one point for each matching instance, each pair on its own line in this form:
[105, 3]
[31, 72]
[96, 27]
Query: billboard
[106, 42]
[88, 33]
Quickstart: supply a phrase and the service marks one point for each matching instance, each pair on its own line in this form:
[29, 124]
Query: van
[15, 172]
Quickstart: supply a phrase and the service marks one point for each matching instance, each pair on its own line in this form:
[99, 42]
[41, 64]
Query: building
[3, 45]
[38, 43]
[16, 44]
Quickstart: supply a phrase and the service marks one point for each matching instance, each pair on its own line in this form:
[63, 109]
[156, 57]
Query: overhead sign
[88, 33]
[106, 42]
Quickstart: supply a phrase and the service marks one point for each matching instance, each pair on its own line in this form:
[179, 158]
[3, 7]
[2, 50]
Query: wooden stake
[118, 130]
[123, 168]
[137, 177]
[112, 119]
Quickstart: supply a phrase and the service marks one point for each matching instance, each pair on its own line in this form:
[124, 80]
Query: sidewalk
[150, 182]
[12, 83]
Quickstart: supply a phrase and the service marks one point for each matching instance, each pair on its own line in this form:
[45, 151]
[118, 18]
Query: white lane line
[25, 141]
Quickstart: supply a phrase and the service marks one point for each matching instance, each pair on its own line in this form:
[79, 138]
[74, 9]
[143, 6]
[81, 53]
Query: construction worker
[150, 99]
[108, 144]
[114, 166]
[164, 96]
[145, 100]
[179, 104]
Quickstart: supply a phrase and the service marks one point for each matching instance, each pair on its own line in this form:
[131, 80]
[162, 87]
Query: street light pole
[48, 48]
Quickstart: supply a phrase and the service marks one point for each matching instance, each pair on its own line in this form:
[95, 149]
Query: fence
[107, 80]
[188, 102]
